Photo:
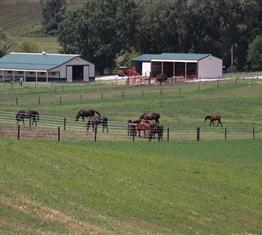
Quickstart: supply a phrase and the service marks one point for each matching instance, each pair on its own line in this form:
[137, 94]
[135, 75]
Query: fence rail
[61, 128]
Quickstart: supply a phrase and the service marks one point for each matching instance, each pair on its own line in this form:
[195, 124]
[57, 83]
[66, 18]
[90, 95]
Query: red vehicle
[127, 71]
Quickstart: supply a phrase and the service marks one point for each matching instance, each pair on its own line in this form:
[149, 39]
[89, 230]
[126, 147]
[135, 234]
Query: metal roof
[170, 57]
[34, 61]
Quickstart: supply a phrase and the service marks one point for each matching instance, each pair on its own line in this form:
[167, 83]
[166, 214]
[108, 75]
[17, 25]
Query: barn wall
[67, 73]
[210, 67]
[146, 68]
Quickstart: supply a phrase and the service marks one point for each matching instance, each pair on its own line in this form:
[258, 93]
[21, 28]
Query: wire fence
[62, 128]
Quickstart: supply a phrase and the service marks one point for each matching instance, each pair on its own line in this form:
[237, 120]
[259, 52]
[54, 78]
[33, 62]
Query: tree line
[110, 32]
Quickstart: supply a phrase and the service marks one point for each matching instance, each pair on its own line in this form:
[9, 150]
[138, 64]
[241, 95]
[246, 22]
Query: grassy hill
[22, 20]
[130, 188]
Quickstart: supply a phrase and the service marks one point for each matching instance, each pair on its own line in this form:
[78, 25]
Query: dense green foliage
[162, 26]
[99, 30]
[53, 11]
[130, 188]
[254, 53]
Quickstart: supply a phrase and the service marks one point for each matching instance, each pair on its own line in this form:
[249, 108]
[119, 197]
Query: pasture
[120, 187]
[182, 107]
[130, 188]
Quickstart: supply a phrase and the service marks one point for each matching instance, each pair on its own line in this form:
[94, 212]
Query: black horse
[96, 120]
[27, 114]
[150, 116]
[86, 113]
[214, 118]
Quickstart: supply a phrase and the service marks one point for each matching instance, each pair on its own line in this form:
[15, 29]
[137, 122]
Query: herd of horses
[148, 123]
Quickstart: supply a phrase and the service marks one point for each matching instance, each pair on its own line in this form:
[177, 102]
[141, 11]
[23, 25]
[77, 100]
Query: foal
[214, 118]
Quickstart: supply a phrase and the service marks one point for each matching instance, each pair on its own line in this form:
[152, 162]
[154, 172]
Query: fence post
[198, 134]
[39, 101]
[133, 134]
[102, 96]
[81, 98]
[253, 134]
[217, 83]
[123, 95]
[30, 121]
[167, 134]
[58, 134]
[60, 100]
[225, 133]
[64, 124]
[95, 131]
[18, 132]
[16, 101]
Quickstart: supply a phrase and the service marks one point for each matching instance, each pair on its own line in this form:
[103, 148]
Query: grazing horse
[95, 120]
[150, 116]
[156, 129]
[86, 113]
[132, 127]
[30, 114]
[160, 78]
[214, 118]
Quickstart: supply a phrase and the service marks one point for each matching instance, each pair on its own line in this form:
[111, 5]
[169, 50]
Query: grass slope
[130, 188]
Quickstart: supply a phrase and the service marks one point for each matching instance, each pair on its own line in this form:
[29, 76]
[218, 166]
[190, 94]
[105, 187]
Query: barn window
[10, 72]
[31, 73]
[53, 73]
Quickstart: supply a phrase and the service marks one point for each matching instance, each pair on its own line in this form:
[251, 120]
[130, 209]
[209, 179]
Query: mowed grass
[130, 188]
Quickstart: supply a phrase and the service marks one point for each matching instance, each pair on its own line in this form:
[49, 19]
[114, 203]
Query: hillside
[22, 20]
[130, 188]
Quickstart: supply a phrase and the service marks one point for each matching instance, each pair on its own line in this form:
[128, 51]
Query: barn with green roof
[44, 67]
[183, 66]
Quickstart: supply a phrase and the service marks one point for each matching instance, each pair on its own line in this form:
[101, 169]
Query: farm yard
[117, 186]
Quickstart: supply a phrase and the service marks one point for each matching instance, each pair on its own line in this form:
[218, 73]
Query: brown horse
[27, 114]
[214, 118]
[86, 113]
[150, 116]
[158, 130]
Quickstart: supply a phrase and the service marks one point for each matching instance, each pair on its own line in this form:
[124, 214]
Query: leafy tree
[255, 53]
[5, 43]
[52, 12]
[100, 30]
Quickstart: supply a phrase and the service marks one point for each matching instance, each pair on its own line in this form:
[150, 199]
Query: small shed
[44, 67]
[179, 65]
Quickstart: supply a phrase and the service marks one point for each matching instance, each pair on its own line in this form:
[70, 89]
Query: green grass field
[130, 188]
[120, 187]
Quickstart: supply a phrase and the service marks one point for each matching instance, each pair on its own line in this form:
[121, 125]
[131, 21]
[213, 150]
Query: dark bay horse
[150, 116]
[214, 118]
[27, 114]
[97, 120]
[156, 129]
[160, 78]
[86, 113]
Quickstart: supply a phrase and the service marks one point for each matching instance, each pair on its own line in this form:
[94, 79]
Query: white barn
[43, 67]
[181, 65]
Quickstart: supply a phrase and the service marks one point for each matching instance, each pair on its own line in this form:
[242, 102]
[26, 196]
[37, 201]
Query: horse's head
[207, 117]
[77, 116]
